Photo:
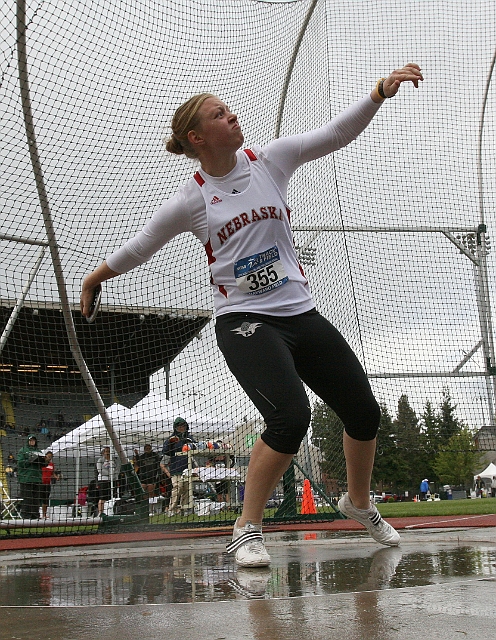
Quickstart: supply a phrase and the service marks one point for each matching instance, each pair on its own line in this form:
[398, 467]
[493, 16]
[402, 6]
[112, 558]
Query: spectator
[147, 466]
[29, 462]
[49, 477]
[82, 497]
[424, 489]
[10, 468]
[108, 471]
[43, 428]
[180, 498]
[493, 487]
[479, 486]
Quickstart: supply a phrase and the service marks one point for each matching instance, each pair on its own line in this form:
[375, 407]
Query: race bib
[260, 273]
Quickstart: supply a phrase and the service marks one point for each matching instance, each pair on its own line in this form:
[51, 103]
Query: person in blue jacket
[424, 489]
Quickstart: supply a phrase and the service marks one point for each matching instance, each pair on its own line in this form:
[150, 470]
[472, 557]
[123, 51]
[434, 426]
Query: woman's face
[218, 128]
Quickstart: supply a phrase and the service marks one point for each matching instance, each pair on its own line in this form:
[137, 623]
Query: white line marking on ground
[423, 524]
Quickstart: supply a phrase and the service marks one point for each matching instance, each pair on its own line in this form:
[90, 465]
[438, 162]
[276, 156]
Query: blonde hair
[185, 119]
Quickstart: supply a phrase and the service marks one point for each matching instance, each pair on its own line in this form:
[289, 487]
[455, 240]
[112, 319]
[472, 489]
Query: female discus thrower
[267, 326]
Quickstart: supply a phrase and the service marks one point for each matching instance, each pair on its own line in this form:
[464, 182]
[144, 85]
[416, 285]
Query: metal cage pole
[484, 299]
[289, 72]
[54, 252]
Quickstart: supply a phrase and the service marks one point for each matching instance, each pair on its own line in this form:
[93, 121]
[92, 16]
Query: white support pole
[20, 302]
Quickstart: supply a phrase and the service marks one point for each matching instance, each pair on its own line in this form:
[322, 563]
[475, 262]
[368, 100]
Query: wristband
[380, 88]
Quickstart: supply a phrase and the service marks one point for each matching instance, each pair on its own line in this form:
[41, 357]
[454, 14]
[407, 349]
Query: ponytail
[185, 119]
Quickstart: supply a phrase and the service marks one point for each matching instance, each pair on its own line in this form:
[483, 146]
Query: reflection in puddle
[208, 577]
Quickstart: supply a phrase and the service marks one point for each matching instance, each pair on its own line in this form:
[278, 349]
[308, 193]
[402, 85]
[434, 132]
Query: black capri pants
[270, 356]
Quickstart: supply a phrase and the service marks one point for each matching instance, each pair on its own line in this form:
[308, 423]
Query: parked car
[375, 498]
[387, 497]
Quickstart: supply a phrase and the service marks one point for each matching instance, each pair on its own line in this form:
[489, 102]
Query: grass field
[443, 508]
[387, 510]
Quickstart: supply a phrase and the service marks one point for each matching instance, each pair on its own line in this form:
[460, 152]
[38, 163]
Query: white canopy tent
[148, 422]
[488, 472]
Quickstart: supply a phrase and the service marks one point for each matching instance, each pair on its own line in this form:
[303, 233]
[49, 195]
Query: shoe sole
[252, 565]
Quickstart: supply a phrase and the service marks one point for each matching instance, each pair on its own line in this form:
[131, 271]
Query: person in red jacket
[49, 476]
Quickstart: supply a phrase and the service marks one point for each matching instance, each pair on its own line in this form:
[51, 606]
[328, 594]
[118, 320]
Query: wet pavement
[441, 583]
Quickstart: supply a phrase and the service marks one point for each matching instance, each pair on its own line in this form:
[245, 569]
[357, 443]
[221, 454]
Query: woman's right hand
[90, 283]
[86, 298]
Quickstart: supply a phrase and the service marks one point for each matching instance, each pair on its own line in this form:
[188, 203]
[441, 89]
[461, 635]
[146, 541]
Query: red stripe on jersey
[250, 154]
[210, 253]
[211, 259]
[199, 179]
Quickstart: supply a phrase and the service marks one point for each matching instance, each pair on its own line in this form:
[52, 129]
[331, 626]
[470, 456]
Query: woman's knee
[365, 425]
[286, 428]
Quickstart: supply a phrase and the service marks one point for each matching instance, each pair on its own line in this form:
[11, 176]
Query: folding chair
[8, 504]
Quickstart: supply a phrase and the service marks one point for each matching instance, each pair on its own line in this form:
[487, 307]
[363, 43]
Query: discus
[95, 305]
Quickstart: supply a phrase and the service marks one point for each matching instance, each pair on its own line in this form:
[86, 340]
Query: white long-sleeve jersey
[186, 210]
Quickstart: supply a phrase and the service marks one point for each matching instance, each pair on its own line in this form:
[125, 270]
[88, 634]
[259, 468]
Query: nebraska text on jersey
[238, 222]
[253, 267]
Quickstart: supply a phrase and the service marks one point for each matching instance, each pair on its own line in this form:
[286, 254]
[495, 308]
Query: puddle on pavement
[206, 577]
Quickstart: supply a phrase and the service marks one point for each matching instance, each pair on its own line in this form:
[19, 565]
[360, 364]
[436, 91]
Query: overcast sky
[105, 80]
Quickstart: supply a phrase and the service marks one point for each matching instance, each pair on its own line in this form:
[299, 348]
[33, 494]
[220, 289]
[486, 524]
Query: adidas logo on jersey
[215, 200]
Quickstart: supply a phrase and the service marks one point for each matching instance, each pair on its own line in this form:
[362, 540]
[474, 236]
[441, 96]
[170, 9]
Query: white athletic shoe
[371, 519]
[249, 546]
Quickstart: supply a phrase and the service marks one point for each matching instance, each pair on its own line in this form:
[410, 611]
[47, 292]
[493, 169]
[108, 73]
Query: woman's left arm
[291, 152]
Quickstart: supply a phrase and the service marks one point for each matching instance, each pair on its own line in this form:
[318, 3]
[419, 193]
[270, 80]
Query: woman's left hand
[409, 73]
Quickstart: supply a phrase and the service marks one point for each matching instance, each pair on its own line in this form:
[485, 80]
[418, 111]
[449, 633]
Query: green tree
[386, 463]
[327, 434]
[437, 427]
[407, 431]
[457, 460]
[449, 425]
[429, 442]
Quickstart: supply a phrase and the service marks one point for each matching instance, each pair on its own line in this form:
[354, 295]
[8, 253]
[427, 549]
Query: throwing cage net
[392, 232]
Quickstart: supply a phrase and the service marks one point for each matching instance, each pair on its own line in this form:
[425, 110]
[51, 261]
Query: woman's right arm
[180, 213]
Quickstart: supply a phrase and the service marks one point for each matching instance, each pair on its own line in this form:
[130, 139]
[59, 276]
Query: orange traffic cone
[308, 503]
